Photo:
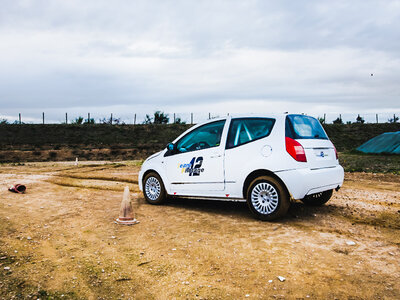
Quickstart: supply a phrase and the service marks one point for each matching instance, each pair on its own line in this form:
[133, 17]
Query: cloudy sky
[198, 56]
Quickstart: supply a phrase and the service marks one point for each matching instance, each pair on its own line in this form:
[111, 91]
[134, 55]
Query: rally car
[265, 160]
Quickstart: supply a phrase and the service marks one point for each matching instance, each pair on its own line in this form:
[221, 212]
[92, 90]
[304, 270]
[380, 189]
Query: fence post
[340, 118]
[394, 118]
[43, 117]
[324, 118]
[377, 119]
[66, 118]
[19, 115]
[209, 116]
[111, 119]
[134, 120]
[174, 119]
[191, 118]
[88, 118]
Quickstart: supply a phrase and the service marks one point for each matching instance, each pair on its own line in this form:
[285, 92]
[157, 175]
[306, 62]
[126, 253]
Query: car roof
[277, 116]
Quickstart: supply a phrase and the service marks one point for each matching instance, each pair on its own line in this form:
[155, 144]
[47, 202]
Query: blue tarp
[388, 142]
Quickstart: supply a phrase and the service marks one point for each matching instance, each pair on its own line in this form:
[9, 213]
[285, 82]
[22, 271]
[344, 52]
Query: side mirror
[171, 147]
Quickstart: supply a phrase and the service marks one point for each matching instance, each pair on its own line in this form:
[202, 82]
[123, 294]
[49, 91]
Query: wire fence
[185, 117]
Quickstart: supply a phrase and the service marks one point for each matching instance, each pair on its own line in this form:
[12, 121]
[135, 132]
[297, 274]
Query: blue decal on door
[193, 168]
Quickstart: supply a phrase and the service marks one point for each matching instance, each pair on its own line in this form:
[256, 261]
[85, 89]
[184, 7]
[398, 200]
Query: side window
[204, 137]
[245, 130]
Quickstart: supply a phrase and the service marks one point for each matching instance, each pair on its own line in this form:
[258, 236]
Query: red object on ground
[18, 188]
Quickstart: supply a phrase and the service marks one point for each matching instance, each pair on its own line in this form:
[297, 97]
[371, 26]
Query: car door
[247, 148]
[197, 164]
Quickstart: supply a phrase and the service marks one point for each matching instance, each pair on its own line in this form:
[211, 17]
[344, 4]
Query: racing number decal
[197, 168]
[194, 167]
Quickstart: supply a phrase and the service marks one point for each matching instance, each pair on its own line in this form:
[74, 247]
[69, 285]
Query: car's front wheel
[153, 189]
[317, 199]
[267, 198]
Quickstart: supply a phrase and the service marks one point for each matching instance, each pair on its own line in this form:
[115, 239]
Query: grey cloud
[60, 54]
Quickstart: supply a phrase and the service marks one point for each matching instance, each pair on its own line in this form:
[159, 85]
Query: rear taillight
[337, 157]
[295, 150]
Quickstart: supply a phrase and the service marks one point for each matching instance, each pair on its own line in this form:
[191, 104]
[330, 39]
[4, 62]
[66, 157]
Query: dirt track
[59, 240]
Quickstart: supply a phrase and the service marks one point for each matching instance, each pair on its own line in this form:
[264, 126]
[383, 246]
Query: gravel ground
[59, 240]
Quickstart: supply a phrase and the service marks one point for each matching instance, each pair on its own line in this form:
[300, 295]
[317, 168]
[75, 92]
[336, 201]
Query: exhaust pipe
[337, 188]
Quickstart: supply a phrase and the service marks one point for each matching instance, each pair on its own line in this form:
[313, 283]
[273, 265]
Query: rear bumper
[302, 182]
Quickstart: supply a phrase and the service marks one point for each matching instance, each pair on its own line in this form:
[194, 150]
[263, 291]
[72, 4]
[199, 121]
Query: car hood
[153, 156]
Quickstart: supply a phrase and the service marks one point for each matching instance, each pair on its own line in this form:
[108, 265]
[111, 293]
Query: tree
[160, 118]
[394, 120]
[4, 121]
[338, 121]
[321, 120]
[360, 120]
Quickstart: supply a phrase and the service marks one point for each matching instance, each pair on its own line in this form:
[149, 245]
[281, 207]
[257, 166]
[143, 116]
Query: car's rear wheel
[153, 189]
[318, 199]
[267, 198]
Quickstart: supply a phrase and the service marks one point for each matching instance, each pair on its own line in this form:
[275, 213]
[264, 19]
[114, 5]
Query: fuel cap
[266, 151]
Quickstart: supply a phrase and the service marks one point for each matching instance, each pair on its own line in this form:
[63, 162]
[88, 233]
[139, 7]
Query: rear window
[304, 127]
[246, 130]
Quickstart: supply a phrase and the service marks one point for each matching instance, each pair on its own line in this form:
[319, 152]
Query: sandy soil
[59, 240]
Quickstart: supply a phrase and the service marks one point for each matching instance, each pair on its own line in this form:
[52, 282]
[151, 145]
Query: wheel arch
[261, 172]
[151, 171]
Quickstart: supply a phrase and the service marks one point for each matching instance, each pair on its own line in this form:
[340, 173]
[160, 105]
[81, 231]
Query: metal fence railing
[183, 117]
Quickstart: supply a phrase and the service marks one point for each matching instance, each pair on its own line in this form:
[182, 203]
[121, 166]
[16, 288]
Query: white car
[266, 161]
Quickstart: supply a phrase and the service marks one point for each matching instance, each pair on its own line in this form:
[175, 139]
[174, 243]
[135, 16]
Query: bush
[78, 120]
[360, 120]
[158, 118]
[338, 121]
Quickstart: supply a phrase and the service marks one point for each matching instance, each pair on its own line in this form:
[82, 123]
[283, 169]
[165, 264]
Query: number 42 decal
[194, 167]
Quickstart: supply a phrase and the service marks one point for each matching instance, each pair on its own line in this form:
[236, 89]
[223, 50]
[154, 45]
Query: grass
[371, 163]
[92, 184]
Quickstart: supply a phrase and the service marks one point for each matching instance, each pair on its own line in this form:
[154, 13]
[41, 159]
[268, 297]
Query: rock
[391, 253]
[113, 237]
[247, 295]
[350, 243]
[7, 268]
[281, 278]
[28, 238]
[270, 281]
[173, 249]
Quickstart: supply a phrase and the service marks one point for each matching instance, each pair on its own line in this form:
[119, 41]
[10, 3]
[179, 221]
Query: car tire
[318, 199]
[153, 189]
[267, 198]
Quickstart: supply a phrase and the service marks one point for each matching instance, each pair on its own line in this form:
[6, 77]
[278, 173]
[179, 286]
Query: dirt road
[59, 240]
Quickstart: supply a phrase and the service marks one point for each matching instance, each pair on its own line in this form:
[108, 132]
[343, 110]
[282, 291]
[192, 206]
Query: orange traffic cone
[126, 211]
